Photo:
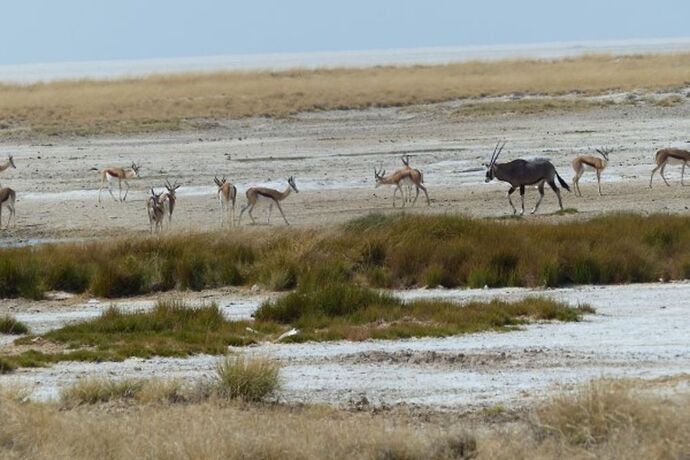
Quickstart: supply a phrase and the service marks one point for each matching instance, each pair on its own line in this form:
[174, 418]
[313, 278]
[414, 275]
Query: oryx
[520, 173]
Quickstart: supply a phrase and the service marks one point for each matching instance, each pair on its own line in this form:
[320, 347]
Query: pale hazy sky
[63, 30]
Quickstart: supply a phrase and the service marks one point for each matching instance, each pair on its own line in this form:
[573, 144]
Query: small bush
[6, 366]
[19, 276]
[67, 275]
[10, 325]
[249, 379]
[114, 280]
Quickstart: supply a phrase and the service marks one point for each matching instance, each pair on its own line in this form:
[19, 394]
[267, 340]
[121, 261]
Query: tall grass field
[167, 102]
[377, 251]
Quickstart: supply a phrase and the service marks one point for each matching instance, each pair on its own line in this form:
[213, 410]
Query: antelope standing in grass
[255, 194]
[520, 173]
[169, 198]
[670, 156]
[156, 211]
[583, 162]
[8, 163]
[407, 176]
[7, 198]
[121, 174]
[227, 195]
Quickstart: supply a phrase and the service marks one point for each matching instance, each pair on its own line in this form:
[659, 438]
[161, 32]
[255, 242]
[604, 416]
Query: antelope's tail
[564, 184]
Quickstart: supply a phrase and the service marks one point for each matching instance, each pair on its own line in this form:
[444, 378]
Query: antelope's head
[171, 188]
[155, 196]
[11, 160]
[491, 165]
[604, 152]
[379, 176]
[291, 181]
[219, 182]
[135, 168]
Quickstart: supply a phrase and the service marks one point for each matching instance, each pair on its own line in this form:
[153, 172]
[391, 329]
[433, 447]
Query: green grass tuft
[248, 379]
[10, 325]
[6, 366]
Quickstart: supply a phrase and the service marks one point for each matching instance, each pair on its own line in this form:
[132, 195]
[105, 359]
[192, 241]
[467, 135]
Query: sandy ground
[639, 331]
[332, 155]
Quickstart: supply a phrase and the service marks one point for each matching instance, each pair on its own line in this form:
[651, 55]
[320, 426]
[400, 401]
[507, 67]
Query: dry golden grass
[175, 101]
[531, 105]
[605, 419]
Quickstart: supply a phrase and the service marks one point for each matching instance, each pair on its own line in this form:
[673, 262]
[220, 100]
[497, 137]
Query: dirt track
[332, 156]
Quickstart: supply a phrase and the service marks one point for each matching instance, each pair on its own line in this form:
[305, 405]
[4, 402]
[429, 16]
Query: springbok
[7, 164]
[670, 156]
[582, 162]
[121, 174]
[407, 176]
[227, 194]
[272, 195]
[156, 211]
[520, 173]
[7, 198]
[169, 198]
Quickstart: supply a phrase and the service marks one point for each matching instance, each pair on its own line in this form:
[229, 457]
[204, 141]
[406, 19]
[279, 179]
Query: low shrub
[10, 325]
[245, 378]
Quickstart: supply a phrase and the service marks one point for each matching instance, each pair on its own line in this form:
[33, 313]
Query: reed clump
[396, 251]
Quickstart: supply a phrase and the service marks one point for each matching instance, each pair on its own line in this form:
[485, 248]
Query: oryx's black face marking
[489, 173]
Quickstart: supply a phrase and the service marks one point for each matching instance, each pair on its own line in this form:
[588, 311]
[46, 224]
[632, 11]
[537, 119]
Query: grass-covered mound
[341, 311]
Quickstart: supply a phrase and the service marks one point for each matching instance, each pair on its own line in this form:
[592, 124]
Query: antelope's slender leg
[126, 190]
[522, 199]
[540, 187]
[251, 216]
[232, 224]
[652, 177]
[599, 181]
[510, 192]
[282, 213]
[110, 189]
[661, 171]
[682, 173]
[428, 201]
[101, 188]
[395, 191]
[415, 197]
[576, 180]
[270, 210]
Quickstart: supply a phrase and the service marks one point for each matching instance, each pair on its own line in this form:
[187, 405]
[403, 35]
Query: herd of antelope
[518, 173]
